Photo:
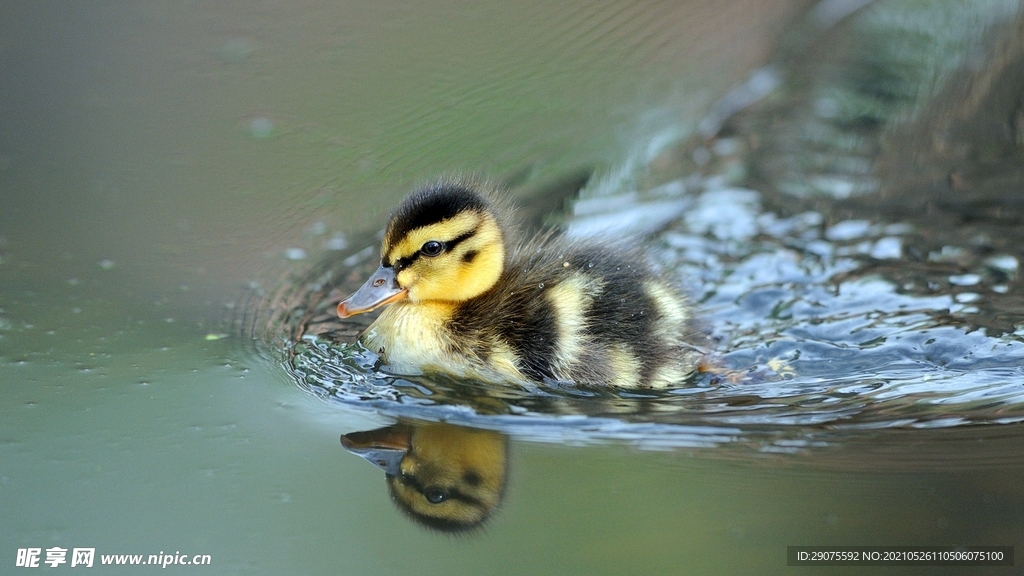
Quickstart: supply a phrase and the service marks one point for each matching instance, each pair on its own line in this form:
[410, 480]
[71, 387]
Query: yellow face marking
[465, 270]
[444, 230]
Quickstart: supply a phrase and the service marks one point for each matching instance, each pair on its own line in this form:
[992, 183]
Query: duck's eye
[435, 495]
[432, 248]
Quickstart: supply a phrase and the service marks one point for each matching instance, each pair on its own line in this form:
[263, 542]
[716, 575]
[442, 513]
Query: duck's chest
[413, 335]
[413, 338]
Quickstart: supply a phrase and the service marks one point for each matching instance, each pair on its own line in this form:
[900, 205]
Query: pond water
[187, 192]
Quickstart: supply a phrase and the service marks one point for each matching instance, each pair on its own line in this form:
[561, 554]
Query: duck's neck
[412, 333]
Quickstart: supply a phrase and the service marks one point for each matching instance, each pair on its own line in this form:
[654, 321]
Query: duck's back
[582, 313]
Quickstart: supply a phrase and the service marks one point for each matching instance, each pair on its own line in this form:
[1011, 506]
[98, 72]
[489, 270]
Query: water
[174, 380]
[814, 354]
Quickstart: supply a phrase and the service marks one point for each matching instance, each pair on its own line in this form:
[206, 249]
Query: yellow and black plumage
[468, 298]
[445, 477]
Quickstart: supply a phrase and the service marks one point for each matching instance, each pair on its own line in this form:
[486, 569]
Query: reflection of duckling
[444, 476]
[470, 300]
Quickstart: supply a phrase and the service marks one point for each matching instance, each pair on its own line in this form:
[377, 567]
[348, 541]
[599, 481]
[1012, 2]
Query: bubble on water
[1003, 262]
[295, 254]
[848, 230]
[826, 107]
[336, 242]
[261, 127]
[701, 156]
[726, 146]
[946, 254]
[236, 50]
[740, 204]
[106, 264]
[887, 248]
[898, 229]
[965, 279]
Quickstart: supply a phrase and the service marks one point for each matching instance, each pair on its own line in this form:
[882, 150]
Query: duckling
[467, 297]
[443, 476]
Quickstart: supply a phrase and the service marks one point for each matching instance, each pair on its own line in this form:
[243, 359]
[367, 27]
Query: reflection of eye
[435, 495]
[432, 248]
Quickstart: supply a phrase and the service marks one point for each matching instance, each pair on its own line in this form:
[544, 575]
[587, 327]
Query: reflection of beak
[381, 288]
[384, 447]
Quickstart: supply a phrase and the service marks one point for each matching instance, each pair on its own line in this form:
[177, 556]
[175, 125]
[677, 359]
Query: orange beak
[380, 289]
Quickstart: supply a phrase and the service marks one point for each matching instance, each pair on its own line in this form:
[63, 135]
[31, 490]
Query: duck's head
[443, 476]
[444, 243]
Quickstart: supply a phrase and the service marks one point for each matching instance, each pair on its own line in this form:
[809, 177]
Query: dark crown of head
[431, 205]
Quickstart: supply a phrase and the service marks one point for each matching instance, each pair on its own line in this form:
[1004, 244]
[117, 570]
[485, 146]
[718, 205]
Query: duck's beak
[382, 288]
[384, 447]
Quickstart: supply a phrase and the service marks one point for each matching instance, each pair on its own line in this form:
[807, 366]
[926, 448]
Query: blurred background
[181, 141]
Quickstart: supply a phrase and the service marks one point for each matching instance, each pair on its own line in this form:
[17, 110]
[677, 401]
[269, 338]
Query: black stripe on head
[441, 523]
[451, 244]
[429, 206]
[405, 262]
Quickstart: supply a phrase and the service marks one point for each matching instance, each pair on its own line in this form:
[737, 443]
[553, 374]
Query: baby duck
[468, 298]
[445, 477]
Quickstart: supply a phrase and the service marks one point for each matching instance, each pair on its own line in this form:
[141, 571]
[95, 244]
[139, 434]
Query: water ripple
[814, 341]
